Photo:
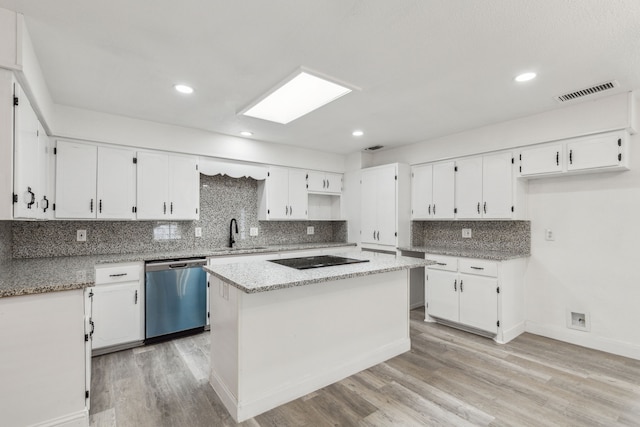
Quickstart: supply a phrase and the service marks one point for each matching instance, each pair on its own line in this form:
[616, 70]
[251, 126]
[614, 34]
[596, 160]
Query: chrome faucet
[231, 239]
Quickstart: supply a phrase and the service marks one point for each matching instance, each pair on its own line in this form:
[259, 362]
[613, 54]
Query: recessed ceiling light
[183, 88]
[525, 77]
[296, 97]
[246, 133]
[357, 133]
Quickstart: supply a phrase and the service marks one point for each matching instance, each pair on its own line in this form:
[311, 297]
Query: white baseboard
[585, 339]
[510, 334]
[76, 419]
[242, 411]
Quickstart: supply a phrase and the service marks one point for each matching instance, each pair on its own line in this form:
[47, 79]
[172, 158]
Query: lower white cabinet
[118, 307]
[478, 295]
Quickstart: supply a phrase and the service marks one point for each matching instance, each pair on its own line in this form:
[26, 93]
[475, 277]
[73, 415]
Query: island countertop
[265, 276]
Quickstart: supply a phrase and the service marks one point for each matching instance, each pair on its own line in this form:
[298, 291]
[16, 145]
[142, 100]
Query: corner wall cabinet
[596, 153]
[324, 182]
[385, 206]
[118, 307]
[168, 186]
[283, 195]
[94, 182]
[432, 191]
[481, 296]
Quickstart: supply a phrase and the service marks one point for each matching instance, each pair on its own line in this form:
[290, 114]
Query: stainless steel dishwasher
[175, 297]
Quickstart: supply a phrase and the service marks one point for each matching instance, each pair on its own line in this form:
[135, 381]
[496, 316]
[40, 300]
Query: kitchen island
[278, 333]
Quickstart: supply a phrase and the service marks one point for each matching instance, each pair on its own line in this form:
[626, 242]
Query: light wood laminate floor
[448, 378]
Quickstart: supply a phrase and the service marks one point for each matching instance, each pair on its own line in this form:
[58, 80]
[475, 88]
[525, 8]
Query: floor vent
[374, 148]
[572, 96]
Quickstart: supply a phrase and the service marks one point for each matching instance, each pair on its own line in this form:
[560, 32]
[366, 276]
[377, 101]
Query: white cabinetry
[484, 187]
[283, 195]
[478, 295]
[385, 206]
[118, 309]
[432, 191]
[597, 153]
[324, 182]
[168, 186]
[10, 49]
[94, 182]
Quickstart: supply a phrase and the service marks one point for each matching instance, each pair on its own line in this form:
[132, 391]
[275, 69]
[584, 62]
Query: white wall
[99, 127]
[591, 265]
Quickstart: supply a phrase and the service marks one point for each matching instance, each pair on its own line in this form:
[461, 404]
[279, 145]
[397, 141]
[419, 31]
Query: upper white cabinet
[324, 182]
[385, 206]
[283, 195]
[94, 182]
[484, 187]
[597, 153]
[168, 186]
[432, 191]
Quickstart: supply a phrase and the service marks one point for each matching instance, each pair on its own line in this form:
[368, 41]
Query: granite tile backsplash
[221, 199]
[510, 236]
[5, 240]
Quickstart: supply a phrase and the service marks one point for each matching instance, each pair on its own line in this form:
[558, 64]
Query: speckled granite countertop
[38, 275]
[466, 253]
[267, 276]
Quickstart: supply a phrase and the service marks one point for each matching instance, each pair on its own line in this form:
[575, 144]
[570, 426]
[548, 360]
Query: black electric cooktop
[305, 263]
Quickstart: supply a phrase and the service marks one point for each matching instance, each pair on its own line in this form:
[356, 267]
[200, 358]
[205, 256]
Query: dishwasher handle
[175, 264]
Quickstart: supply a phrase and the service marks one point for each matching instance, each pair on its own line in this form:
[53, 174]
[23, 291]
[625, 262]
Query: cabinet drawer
[479, 267]
[443, 262]
[118, 273]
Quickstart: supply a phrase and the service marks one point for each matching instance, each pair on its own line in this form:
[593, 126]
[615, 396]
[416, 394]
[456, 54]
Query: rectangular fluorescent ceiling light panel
[298, 96]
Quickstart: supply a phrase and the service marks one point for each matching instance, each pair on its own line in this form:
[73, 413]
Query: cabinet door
[442, 294]
[49, 198]
[547, 159]
[468, 194]
[386, 206]
[76, 174]
[594, 152]
[421, 191]
[27, 159]
[368, 204]
[298, 197]
[278, 193]
[184, 187]
[116, 187]
[479, 302]
[317, 182]
[117, 311]
[152, 186]
[334, 183]
[497, 186]
[444, 190]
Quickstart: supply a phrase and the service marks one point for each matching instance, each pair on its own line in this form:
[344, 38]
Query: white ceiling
[426, 68]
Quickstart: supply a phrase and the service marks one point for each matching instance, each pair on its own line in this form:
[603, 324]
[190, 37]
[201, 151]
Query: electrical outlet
[253, 231]
[466, 233]
[198, 231]
[310, 230]
[548, 234]
[81, 236]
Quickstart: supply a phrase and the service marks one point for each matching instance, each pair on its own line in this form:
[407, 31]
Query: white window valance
[210, 166]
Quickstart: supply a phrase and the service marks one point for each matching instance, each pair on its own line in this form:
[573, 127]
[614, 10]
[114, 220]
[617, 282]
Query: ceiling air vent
[572, 96]
[374, 148]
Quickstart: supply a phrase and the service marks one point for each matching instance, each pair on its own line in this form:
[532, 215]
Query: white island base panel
[269, 348]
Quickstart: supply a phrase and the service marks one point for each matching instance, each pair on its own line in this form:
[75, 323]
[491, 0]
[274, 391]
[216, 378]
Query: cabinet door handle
[33, 198]
[374, 234]
[328, 184]
[557, 158]
[478, 207]
[434, 208]
[477, 268]
[286, 209]
[91, 206]
[571, 157]
[441, 263]
[171, 208]
[164, 208]
[455, 285]
[100, 206]
[429, 209]
[93, 328]
[118, 275]
[485, 207]
[324, 183]
[378, 234]
[461, 288]
[135, 299]
[290, 210]
[46, 207]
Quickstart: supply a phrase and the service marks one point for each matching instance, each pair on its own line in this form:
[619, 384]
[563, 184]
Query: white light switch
[198, 231]
[548, 234]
